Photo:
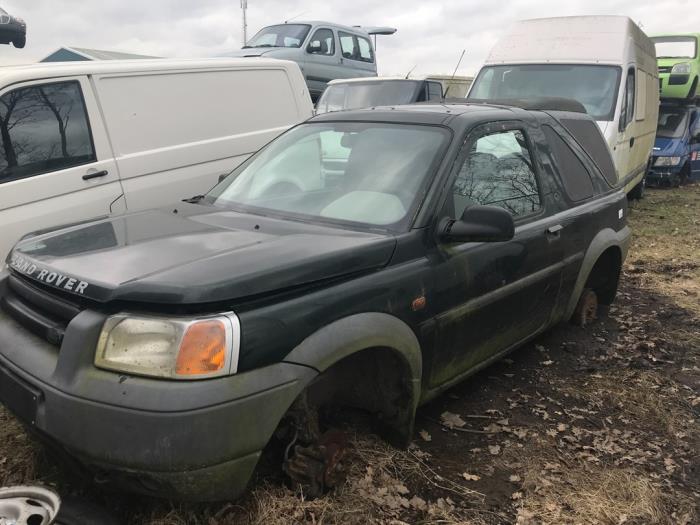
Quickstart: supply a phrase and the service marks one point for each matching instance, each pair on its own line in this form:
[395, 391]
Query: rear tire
[586, 309]
[20, 42]
[637, 193]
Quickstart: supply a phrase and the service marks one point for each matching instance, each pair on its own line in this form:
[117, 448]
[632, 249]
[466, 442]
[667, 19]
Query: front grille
[40, 312]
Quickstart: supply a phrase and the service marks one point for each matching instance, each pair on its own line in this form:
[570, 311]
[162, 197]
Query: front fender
[355, 333]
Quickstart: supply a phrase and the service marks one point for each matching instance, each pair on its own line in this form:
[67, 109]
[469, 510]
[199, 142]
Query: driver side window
[498, 171]
[322, 43]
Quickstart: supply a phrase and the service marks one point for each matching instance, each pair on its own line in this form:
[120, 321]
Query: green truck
[679, 65]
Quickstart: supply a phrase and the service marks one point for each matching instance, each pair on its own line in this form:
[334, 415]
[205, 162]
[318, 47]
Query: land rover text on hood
[366, 259]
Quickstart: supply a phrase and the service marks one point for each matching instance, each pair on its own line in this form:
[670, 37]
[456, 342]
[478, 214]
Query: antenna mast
[244, 7]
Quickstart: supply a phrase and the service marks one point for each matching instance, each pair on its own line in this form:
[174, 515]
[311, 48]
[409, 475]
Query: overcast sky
[431, 34]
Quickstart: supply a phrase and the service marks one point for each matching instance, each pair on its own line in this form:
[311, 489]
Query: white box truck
[80, 140]
[606, 63]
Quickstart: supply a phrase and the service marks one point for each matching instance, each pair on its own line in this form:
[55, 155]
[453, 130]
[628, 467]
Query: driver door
[493, 296]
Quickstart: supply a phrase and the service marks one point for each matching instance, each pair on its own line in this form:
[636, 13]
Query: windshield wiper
[264, 45]
[195, 199]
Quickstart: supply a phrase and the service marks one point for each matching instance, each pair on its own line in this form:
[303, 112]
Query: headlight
[172, 347]
[681, 69]
[667, 161]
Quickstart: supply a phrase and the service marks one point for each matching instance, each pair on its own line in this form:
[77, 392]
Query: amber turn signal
[203, 348]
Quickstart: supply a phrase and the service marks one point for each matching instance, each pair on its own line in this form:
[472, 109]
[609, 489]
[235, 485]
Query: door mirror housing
[478, 224]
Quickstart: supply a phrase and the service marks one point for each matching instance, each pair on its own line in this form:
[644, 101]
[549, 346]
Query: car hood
[198, 254]
[668, 147]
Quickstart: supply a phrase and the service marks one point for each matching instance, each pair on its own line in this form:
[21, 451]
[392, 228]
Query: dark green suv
[163, 349]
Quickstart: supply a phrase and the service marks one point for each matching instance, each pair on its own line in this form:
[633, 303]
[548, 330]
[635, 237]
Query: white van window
[154, 111]
[676, 46]
[627, 109]
[347, 45]
[593, 86]
[43, 128]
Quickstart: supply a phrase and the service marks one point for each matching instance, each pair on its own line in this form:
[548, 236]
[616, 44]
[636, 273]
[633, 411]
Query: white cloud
[431, 35]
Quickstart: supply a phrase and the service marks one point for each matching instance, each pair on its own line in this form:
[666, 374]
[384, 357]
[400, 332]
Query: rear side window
[43, 128]
[434, 91]
[574, 175]
[587, 134]
[355, 47]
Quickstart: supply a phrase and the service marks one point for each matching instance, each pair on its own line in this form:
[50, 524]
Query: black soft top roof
[534, 104]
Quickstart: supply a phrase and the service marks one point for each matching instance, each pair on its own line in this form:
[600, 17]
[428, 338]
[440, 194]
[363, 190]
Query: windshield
[349, 172]
[283, 35]
[672, 123]
[354, 95]
[593, 86]
[676, 46]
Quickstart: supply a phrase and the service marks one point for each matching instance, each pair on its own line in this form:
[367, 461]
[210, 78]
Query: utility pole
[244, 7]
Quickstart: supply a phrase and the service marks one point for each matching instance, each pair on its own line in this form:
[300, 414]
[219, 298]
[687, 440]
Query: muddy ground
[584, 425]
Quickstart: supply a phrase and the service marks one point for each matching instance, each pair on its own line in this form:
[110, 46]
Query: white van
[604, 62]
[80, 140]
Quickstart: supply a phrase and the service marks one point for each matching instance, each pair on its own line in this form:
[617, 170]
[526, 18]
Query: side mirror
[478, 224]
[315, 46]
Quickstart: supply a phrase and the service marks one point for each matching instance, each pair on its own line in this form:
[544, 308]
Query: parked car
[676, 156]
[324, 50]
[163, 349]
[604, 62]
[356, 93]
[679, 65]
[13, 30]
[82, 140]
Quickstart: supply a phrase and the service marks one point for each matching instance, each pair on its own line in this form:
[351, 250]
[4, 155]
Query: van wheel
[684, 174]
[637, 193]
[586, 309]
[20, 42]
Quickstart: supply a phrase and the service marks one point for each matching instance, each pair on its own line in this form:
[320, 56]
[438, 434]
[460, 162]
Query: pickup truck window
[498, 171]
[387, 168]
[574, 175]
[43, 128]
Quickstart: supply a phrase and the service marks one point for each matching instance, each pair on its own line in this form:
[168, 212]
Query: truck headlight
[667, 161]
[170, 347]
[681, 69]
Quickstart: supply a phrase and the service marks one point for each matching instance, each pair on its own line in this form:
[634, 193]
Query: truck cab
[676, 155]
[679, 65]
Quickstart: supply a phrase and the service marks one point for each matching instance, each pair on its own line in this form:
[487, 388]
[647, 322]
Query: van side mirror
[478, 224]
[315, 46]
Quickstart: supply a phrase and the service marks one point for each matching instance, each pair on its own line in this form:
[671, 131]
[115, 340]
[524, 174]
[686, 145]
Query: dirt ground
[585, 425]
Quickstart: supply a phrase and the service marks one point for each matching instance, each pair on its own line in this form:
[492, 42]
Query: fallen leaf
[514, 478]
[547, 363]
[425, 436]
[451, 420]
[516, 495]
[470, 477]
[494, 450]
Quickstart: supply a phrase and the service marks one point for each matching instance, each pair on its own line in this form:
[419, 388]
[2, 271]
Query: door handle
[95, 175]
[555, 229]
[631, 142]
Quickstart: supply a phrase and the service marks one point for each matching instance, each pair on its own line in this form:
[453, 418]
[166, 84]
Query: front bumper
[664, 175]
[195, 440]
[676, 86]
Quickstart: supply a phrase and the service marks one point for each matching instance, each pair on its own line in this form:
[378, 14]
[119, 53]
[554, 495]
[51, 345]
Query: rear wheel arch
[601, 267]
